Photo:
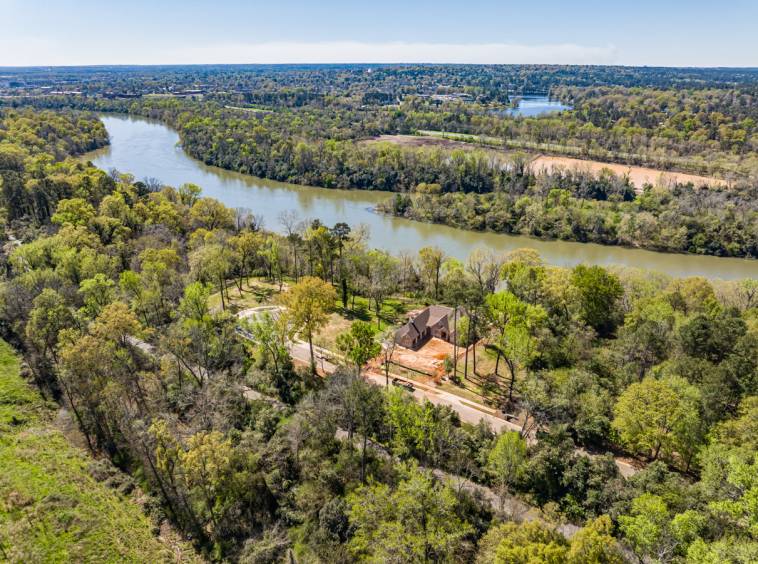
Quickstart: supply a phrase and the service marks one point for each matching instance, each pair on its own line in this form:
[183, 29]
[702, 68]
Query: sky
[692, 33]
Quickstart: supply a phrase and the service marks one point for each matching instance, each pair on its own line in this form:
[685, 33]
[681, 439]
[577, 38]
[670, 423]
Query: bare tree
[114, 174]
[257, 222]
[298, 432]
[407, 260]
[289, 220]
[242, 218]
[389, 343]
[535, 403]
[153, 184]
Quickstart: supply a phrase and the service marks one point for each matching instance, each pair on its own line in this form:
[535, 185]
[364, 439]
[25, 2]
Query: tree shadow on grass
[488, 386]
[359, 314]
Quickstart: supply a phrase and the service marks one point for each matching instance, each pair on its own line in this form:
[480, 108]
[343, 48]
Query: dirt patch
[638, 175]
[429, 358]
[414, 141]
[65, 422]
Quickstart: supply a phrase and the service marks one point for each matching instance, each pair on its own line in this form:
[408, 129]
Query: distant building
[437, 321]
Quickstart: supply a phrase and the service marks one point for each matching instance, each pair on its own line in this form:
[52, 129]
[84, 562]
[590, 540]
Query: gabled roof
[427, 318]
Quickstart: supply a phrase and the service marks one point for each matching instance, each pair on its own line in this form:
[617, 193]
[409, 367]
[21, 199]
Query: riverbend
[147, 148]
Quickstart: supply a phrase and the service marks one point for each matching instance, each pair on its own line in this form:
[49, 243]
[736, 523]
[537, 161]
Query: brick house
[436, 321]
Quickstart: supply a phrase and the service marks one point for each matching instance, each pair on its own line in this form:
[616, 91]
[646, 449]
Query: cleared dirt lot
[638, 175]
[428, 358]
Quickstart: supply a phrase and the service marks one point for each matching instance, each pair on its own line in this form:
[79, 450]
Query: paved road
[13, 239]
[297, 349]
[301, 351]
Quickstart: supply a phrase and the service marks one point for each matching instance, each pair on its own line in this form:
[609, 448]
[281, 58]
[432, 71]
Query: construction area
[428, 358]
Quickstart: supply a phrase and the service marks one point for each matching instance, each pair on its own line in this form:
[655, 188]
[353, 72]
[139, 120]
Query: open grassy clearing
[256, 292]
[53, 510]
[393, 314]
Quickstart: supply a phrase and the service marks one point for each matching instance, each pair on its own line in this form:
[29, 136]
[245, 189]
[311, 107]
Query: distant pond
[530, 105]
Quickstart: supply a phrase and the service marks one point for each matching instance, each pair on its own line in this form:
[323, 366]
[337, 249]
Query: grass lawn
[483, 382]
[52, 510]
[255, 292]
[393, 314]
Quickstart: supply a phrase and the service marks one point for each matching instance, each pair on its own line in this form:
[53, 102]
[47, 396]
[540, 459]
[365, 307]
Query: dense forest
[699, 131]
[122, 297]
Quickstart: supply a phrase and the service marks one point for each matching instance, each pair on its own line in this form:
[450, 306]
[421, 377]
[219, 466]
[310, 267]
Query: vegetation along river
[149, 149]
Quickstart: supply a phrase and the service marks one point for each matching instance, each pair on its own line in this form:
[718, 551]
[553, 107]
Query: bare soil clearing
[638, 175]
[429, 358]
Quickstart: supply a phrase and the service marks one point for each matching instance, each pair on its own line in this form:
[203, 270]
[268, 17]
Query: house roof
[427, 318]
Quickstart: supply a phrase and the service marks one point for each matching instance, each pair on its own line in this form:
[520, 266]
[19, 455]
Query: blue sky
[664, 32]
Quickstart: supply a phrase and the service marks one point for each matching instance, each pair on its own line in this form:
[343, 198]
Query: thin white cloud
[293, 53]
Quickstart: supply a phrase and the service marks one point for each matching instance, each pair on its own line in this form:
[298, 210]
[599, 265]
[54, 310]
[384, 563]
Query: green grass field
[51, 510]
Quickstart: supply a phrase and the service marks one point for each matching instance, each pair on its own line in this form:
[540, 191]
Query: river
[147, 148]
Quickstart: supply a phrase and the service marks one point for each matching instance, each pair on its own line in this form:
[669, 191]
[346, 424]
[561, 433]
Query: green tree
[416, 523]
[51, 315]
[417, 430]
[594, 544]
[645, 416]
[194, 305]
[725, 551]
[600, 293]
[516, 323]
[189, 194]
[309, 303]
[211, 214]
[507, 461]
[98, 293]
[271, 334]
[651, 532]
[77, 212]
[369, 404]
[731, 479]
[531, 542]
[431, 259]
[742, 431]
[205, 464]
[359, 345]
[448, 365]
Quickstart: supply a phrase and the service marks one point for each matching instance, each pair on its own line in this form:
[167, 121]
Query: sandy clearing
[638, 175]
